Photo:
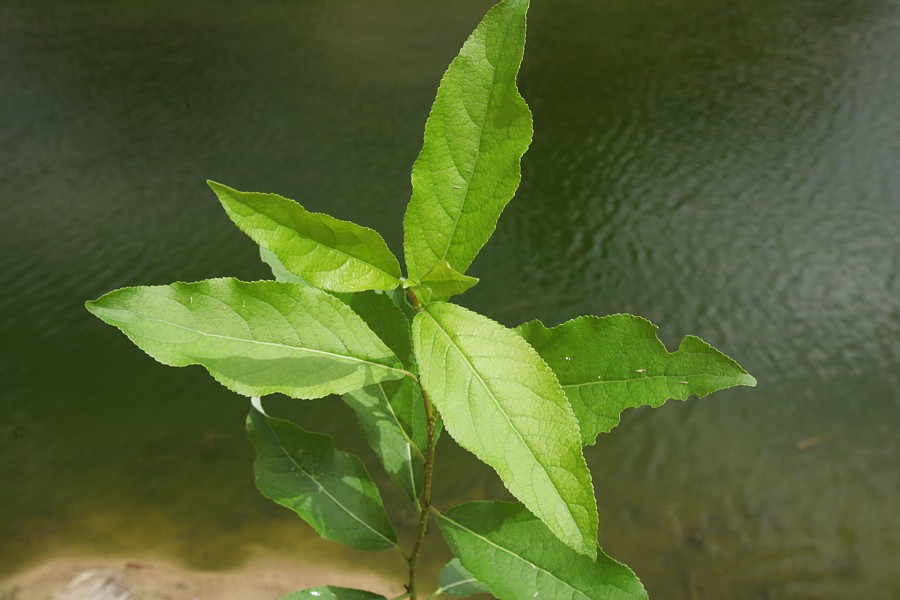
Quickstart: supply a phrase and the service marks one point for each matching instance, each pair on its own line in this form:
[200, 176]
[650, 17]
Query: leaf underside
[501, 402]
[380, 411]
[328, 489]
[476, 134]
[326, 252]
[256, 338]
[516, 556]
[455, 580]
[608, 364]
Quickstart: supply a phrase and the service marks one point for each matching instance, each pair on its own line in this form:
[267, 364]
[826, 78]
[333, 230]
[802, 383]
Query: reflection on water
[725, 170]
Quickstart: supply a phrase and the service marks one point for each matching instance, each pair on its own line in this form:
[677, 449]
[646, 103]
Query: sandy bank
[133, 578]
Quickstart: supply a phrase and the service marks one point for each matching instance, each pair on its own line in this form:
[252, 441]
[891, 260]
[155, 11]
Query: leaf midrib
[273, 344]
[638, 379]
[322, 487]
[508, 420]
[514, 555]
[465, 194]
[308, 213]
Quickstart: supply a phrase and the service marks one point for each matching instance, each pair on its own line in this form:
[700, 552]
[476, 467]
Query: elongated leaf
[255, 338]
[517, 557]
[331, 592]
[326, 252]
[477, 132]
[391, 438]
[442, 283]
[330, 490]
[501, 402]
[608, 364]
[455, 580]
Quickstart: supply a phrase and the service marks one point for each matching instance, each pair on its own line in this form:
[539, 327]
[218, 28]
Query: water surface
[726, 170]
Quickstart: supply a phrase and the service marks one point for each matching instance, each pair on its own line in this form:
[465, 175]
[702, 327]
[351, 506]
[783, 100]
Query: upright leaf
[501, 402]
[326, 252]
[330, 490]
[517, 557]
[331, 592]
[378, 409]
[608, 364]
[256, 338]
[476, 134]
[455, 580]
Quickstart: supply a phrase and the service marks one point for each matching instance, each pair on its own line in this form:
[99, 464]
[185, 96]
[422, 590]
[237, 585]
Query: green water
[730, 170]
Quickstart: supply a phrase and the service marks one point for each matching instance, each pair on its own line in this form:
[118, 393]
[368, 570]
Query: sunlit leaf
[608, 364]
[517, 557]
[330, 490]
[326, 252]
[278, 270]
[256, 338]
[501, 402]
[476, 134]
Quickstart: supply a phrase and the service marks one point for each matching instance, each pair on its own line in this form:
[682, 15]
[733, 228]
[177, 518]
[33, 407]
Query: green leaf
[326, 252]
[608, 364]
[330, 490]
[442, 283]
[256, 338]
[516, 556]
[331, 592]
[278, 270]
[455, 580]
[501, 402]
[476, 134]
[384, 318]
[378, 409]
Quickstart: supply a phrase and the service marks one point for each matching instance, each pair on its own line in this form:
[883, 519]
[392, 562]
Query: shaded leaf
[379, 409]
[330, 490]
[326, 252]
[608, 364]
[256, 338]
[331, 592]
[516, 556]
[501, 402]
[455, 580]
[476, 134]
[384, 318]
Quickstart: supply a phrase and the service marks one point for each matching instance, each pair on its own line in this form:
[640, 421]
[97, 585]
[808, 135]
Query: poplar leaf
[608, 364]
[500, 401]
[331, 592]
[516, 556]
[397, 441]
[328, 489]
[256, 338]
[455, 580]
[476, 134]
[326, 252]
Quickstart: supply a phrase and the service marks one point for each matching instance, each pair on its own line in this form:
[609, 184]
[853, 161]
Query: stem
[426, 498]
